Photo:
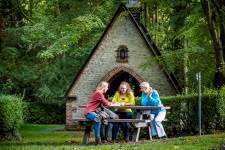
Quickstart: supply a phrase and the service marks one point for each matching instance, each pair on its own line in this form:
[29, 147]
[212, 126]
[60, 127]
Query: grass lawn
[42, 137]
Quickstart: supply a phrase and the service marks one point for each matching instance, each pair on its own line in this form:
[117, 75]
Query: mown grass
[43, 137]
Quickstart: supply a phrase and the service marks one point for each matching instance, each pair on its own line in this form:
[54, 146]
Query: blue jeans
[122, 125]
[105, 131]
[92, 116]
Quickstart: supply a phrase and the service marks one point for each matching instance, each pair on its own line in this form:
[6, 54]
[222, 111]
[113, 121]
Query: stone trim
[116, 71]
[69, 110]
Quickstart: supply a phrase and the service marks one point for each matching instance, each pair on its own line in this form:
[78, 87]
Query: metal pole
[198, 77]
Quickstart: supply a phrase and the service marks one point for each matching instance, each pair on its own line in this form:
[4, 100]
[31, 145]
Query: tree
[44, 43]
[214, 11]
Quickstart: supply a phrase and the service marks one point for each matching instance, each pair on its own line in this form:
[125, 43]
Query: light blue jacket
[152, 100]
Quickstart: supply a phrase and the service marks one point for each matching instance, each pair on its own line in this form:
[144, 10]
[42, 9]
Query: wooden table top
[137, 107]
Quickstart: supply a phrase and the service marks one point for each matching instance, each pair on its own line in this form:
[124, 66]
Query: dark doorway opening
[118, 78]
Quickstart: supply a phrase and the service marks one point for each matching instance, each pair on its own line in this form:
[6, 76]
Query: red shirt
[94, 102]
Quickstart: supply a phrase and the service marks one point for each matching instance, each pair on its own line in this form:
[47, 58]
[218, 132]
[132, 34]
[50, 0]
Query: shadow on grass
[67, 143]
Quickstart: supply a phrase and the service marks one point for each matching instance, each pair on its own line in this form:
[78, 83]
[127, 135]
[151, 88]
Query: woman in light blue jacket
[150, 97]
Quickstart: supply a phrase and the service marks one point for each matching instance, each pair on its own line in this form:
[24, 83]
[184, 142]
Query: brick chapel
[119, 55]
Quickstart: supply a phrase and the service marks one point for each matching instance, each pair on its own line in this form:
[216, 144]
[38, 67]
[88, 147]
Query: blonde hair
[145, 84]
[101, 85]
[129, 91]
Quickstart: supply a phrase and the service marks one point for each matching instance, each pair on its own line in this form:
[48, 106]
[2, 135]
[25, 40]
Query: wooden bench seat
[111, 120]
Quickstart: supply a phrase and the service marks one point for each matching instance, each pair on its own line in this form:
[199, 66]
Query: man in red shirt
[95, 101]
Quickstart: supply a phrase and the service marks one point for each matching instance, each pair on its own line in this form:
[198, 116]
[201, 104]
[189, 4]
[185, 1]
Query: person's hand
[115, 104]
[150, 91]
[127, 104]
[122, 104]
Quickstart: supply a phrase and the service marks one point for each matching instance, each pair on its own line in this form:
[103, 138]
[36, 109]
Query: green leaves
[11, 115]
[87, 22]
[44, 91]
[9, 53]
[53, 39]
[181, 33]
[72, 33]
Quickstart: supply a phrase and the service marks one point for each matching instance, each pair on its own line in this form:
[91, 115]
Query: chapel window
[122, 54]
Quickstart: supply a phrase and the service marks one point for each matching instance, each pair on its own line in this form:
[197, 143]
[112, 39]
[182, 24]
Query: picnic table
[139, 121]
[143, 122]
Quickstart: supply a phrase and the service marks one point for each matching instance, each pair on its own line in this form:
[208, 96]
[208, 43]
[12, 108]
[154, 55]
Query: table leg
[149, 132]
[87, 133]
[136, 133]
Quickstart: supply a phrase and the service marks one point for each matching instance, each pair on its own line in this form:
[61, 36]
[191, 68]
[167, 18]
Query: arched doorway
[119, 74]
[118, 78]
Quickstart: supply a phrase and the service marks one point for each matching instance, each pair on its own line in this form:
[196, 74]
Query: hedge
[11, 116]
[183, 117]
[41, 112]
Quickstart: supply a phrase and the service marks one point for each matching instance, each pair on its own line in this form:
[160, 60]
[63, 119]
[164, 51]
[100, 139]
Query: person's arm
[144, 100]
[103, 100]
[154, 98]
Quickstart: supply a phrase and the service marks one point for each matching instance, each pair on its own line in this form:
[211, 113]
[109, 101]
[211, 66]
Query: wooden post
[137, 131]
[149, 130]
[198, 77]
[87, 133]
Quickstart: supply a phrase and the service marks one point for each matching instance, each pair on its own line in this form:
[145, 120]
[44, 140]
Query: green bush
[183, 117]
[11, 116]
[45, 112]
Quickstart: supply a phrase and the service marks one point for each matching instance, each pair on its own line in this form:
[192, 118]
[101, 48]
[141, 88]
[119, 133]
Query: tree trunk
[213, 11]
[145, 14]
[30, 7]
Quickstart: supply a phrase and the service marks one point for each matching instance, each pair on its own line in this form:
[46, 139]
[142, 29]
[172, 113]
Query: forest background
[43, 43]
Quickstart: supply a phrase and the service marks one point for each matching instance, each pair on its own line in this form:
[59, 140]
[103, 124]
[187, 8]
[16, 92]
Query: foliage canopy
[44, 43]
